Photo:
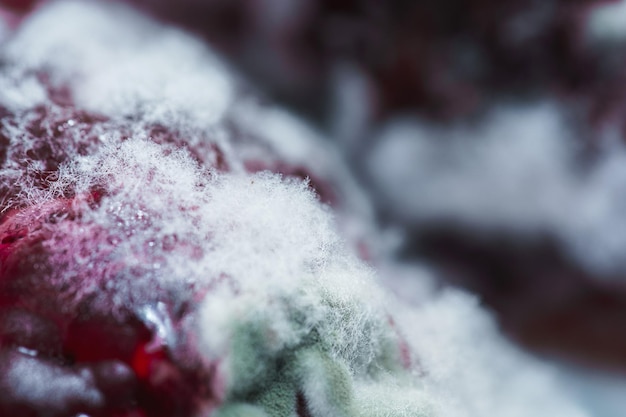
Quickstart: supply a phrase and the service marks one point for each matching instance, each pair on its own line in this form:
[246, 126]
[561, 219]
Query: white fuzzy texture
[263, 244]
[274, 240]
[287, 138]
[512, 170]
[607, 22]
[393, 400]
[518, 170]
[174, 80]
[471, 372]
[20, 92]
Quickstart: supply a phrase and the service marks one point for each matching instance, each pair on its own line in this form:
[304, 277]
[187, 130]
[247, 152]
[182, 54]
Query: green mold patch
[389, 399]
[325, 383]
[279, 400]
[299, 355]
[239, 410]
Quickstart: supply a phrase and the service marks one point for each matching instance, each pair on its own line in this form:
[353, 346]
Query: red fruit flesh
[62, 362]
[58, 316]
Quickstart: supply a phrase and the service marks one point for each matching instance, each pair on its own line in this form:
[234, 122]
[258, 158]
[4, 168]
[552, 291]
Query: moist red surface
[88, 360]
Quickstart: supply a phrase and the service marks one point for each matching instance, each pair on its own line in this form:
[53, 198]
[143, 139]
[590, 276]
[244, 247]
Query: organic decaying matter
[121, 238]
[175, 243]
